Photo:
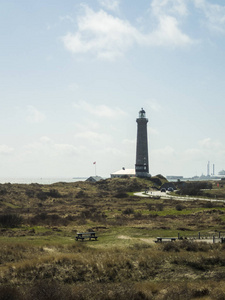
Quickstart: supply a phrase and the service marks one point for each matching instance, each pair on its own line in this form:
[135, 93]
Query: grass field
[40, 259]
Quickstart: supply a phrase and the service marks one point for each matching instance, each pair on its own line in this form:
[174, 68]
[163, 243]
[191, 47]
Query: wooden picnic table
[165, 239]
[86, 235]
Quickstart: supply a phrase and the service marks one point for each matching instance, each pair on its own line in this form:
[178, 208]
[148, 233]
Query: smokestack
[213, 169]
[208, 168]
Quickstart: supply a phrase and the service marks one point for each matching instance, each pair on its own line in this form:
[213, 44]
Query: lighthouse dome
[142, 113]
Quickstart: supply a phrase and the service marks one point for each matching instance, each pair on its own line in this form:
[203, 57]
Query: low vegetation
[40, 259]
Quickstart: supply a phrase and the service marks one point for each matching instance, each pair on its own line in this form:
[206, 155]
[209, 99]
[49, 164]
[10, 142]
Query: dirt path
[145, 240]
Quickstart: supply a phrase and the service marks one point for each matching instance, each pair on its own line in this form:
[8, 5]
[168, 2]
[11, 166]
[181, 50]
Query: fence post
[199, 235]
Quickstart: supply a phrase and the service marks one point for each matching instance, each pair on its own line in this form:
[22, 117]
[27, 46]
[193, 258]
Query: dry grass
[137, 263]
[41, 257]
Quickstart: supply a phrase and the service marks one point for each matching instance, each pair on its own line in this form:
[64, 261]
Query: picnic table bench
[86, 235]
[165, 239]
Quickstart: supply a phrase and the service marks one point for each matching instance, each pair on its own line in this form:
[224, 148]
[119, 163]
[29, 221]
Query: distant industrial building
[174, 177]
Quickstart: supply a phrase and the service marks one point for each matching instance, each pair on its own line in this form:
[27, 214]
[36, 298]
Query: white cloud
[94, 137]
[214, 14]
[102, 34]
[5, 150]
[112, 5]
[129, 142]
[190, 161]
[34, 115]
[206, 150]
[169, 15]
[46, 147]
[154, 105]
[99, 110]
[165, 7]
[66, 18]
[73, 87]
[111, 151]
[45, 140]
[208, 143]
[153, 131]
[168, 33]
[67, 149]
[193, 154]
[109, 37]
[165, 152]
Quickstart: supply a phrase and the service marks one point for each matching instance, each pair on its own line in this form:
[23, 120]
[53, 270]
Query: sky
[74, 75]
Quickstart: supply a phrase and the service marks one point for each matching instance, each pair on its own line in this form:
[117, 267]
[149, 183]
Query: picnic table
[165, 239]
[86, 235]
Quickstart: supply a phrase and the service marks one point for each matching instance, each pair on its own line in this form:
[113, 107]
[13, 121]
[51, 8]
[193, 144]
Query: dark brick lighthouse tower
[141, 166]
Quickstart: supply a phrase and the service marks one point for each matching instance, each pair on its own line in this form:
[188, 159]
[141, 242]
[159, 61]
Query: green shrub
[195, 246]
[156, 180]
[49, 290]
[3, 191]
[42, 196]
[179, 207]
[159, 206]
[149, 206]
[10, 293]
[54, 193]
[10, 220]
[47, 219]
[30, 193]
[171, 247]
[138, 216]
[194, 188]
[209, 204]
[81, 194]
[120, 195]
[128, 211]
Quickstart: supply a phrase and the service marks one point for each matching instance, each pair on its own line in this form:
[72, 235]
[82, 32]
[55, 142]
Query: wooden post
[199, 235]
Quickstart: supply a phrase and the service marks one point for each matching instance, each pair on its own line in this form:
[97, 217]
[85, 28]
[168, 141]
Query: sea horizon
[40, 180]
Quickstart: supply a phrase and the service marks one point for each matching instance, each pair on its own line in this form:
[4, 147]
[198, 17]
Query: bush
[149, 206]
[193, 246]
[128, 211]
[54, 193]
[208, 204]
[86, 214]
[171, 247]
[156, 180]
[189, 246]
[3, 191]
[10, 293]
[10, 220]
[49, 290]
[120, 195]
[81, 194]
[179, 207]
[194, 188]
[53, 220]
[138, 216]
[30, 193]
[159, 206]
[42, 196]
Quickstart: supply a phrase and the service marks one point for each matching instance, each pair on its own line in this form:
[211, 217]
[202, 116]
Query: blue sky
[74, 75]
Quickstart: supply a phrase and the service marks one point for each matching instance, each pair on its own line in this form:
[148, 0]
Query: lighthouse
[141, 166]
